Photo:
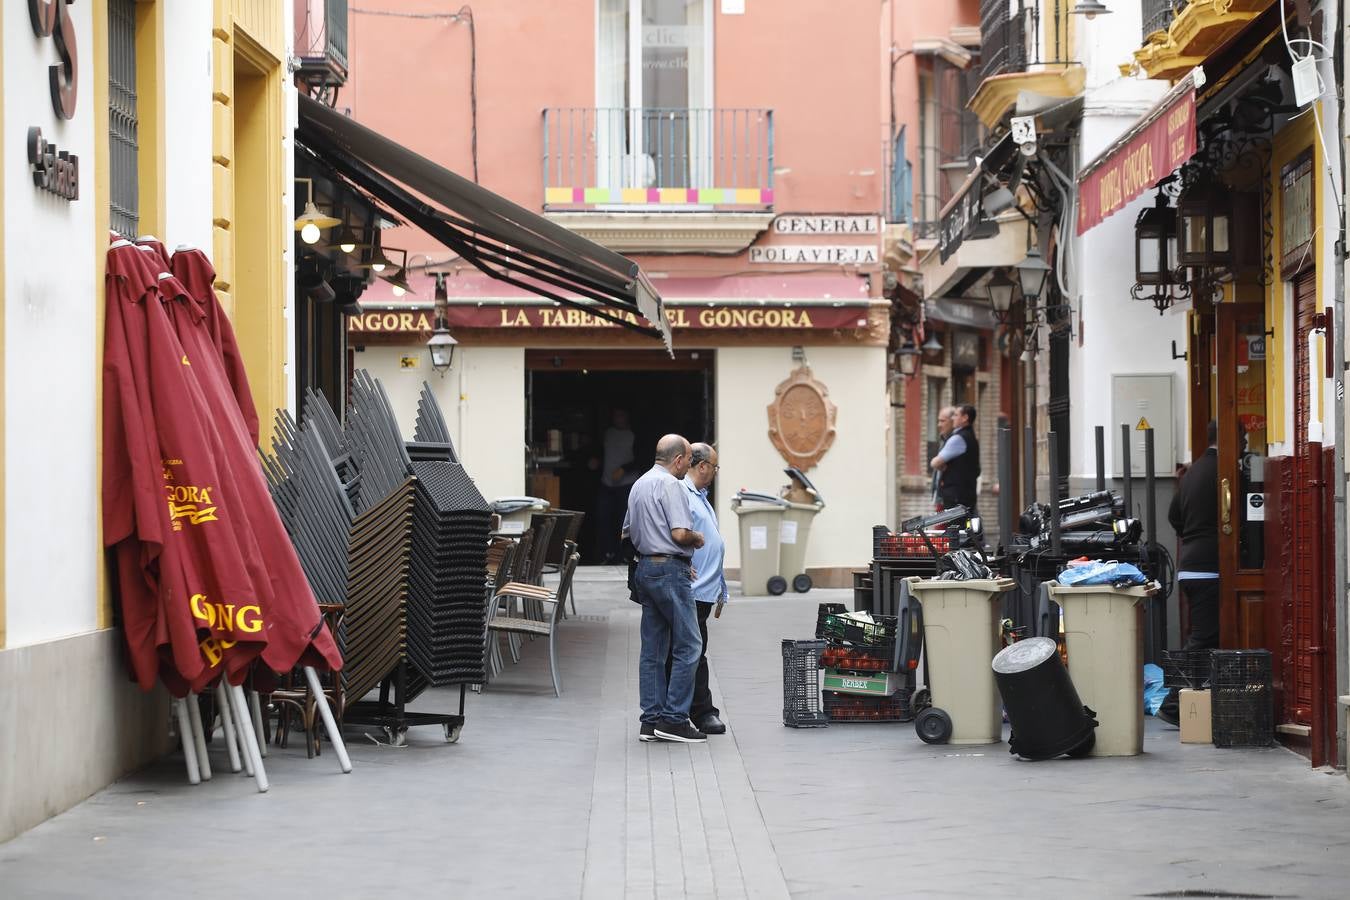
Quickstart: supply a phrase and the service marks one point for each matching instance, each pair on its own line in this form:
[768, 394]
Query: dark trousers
[610, 506]
[702, 705]
[1202, 601]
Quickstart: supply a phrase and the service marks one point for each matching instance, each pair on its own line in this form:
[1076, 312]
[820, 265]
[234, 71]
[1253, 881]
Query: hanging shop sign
[56, 171]
[1147, 153]
[963, 217]
[816, 255]
[966, 350]
[695, 318]
[826, 225]
[1296, 214]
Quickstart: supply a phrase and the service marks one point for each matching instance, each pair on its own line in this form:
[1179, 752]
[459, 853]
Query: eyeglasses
[708, 463]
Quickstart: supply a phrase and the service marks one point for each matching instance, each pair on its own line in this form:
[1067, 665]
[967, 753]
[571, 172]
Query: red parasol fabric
[194, 270]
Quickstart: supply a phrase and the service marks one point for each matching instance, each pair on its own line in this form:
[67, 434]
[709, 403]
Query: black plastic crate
[801, 684]
[1242, 698]
[1186, 669]
[858, 708]
[833, 624]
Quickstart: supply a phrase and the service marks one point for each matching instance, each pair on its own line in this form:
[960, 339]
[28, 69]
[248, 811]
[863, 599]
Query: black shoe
[682, 733]
[710, 724]
[1170, 716]
[647, 733]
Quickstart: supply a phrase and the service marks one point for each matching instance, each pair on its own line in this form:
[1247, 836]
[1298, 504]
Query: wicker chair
[548, 626]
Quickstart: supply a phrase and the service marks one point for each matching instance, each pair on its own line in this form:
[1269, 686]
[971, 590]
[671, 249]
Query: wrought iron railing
[322, 45]
[1158, 14]
[658, 156]
[1017, 34]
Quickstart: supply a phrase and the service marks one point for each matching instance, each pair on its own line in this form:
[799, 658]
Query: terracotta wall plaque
[801, 419]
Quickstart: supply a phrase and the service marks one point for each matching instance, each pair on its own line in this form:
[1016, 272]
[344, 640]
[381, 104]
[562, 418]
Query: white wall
[1119, 334]
[851, 477]
[50, 352]
[487, 424]
[187, 142]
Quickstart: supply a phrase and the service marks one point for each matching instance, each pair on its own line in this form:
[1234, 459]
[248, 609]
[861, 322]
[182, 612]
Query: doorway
[572, 399]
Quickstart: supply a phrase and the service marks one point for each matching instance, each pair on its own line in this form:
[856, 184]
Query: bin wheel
[452, 732]
[777, 585]
[1084, 748]
[933, 726]
[801, 583]
[921, 700]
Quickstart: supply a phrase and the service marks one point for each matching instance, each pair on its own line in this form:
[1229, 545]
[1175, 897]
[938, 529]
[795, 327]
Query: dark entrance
[570, 400]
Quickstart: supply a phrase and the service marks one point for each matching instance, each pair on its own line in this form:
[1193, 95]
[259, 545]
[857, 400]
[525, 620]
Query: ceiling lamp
[1090, 9]
[311, 222]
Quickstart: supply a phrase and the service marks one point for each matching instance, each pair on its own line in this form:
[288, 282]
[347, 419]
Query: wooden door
[1242, 620]
[1307, 525]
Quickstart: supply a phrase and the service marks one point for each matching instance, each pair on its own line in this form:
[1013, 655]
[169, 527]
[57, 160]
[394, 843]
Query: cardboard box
[1195, 717]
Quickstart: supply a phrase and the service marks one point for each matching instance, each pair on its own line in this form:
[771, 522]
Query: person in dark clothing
[959, 463]
[1194, 515]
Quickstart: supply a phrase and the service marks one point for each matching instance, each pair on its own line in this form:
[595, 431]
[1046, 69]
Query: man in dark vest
[959, 462]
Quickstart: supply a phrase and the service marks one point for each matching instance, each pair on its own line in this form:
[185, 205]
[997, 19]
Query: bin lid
[744, 496]
[992, 585]
[1138, 591]
[799, 476]
[1024, 655]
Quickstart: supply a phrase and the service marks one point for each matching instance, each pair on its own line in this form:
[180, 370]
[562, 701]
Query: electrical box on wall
[1143, 401]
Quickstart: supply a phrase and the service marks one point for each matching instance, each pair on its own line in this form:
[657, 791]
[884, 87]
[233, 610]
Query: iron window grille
[123, 146]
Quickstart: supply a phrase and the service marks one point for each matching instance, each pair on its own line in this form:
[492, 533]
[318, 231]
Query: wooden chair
[521, 625]
[296, 697]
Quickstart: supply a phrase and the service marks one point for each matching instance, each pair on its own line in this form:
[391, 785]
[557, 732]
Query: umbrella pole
[250, 740]
[227, 726]
[185, 735]
[194, 711]
[255, 707]
[329, 725]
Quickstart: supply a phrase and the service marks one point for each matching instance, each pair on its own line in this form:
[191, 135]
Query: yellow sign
[409, 362]
[1143, 425]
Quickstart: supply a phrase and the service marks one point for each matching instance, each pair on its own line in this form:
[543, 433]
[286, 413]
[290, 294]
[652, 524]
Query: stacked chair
[395, 533]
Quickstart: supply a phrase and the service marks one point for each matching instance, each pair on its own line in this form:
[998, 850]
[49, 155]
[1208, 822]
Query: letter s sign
[51, 18]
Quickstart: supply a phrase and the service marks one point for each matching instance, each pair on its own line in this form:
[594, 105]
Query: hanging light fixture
[1155, 243]
[907, 357]
[1000, 288]
[311, 222]
[1204, 213]
[1090, 9]
[932, 344]
[1031, 273]
[347, 239]
[378, 261]
[442, 344]
[399, 277]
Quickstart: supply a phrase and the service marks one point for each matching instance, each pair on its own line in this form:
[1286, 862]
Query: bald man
[661, 528]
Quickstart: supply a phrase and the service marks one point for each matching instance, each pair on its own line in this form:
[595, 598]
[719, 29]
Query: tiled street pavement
[546, 797]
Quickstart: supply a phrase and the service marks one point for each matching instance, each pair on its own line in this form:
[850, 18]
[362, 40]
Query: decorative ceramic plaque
[801, 419]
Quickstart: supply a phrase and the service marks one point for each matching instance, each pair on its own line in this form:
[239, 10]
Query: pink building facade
[739, 150]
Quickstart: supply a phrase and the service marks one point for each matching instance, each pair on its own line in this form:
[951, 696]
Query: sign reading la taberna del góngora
[706, 318]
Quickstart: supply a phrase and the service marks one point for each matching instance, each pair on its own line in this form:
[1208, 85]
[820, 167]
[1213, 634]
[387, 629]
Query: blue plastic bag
[1102, 573]
[1155, 692]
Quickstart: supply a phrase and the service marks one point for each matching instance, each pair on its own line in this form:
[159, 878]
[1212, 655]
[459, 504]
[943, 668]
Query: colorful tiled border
[661, 196]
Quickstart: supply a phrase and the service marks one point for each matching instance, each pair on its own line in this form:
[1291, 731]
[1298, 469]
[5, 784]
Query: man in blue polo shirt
[710, 584]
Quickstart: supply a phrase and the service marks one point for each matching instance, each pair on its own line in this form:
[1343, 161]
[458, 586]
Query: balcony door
[654, 118]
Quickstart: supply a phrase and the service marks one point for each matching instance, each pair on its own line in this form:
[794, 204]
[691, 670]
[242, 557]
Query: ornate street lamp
[1204, 214]
[441, 345]
[1031, 273]
[908, 359]
[1155, 243]
[1000, 288]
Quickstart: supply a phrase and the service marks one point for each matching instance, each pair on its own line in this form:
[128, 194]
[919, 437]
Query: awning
[1149, 151]
[503, 240]
[964, 212]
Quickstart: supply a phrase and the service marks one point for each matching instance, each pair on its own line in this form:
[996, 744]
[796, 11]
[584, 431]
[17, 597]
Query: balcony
[658, 160]
[1025, 45]
[1181, 33]
[321, 46]
[1158, 14]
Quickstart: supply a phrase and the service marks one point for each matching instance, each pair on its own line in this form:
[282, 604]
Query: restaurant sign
[700, 318]
[814, 255]
[56, 171]
[1148, 153]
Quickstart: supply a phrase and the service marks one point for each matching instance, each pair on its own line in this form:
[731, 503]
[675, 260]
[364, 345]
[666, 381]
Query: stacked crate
[869, 670]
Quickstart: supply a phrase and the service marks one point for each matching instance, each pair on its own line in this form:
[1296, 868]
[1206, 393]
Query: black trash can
[1047, 717]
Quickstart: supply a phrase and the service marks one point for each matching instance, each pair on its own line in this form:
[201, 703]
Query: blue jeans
[669, 629]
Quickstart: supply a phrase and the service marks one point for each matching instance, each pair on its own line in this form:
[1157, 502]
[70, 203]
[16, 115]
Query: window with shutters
[124, 183]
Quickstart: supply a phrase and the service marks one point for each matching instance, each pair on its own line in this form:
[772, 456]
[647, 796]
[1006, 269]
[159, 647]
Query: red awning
[1147, 153]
